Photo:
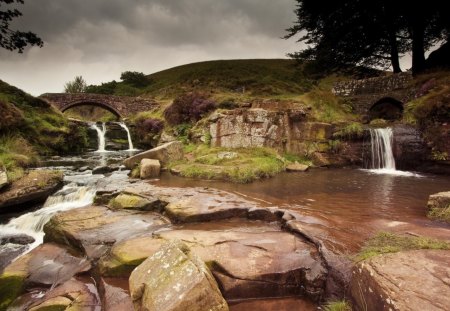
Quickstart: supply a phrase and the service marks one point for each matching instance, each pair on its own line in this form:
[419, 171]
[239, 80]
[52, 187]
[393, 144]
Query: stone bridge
[121, 106]
[378, 97]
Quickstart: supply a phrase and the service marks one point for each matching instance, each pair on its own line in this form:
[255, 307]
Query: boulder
[19, 238]
[166, 153]
[45, 266]
[94, 229]
[297, 167]
[174, 279]
[114, 297]
[104, 169]
[413, 280]
[35, 187]
[136, 202]
[3, 178]
[149, 168]
[439, 200]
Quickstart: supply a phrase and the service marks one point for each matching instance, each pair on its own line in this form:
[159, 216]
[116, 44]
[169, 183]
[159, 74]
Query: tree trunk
[394, 53]
[418, 45]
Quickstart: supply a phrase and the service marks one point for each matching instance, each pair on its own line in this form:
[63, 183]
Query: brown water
[343, 206]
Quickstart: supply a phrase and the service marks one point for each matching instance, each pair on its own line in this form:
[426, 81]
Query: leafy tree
[78, 85]
[134, 78]
[13, 39]
[107, 88]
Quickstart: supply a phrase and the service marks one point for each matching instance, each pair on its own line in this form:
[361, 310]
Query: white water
[32, 224]
[383, 161]
[130, 142]
[101, 136]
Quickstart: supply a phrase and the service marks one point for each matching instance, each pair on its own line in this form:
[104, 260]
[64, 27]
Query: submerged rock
[413, 280]
[174, 279]
[149, 168]
[104, 169]
[34, 187]
[166, 153]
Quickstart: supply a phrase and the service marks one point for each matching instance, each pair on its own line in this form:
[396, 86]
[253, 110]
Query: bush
[148, 130]
[134, 78]
[188, 108]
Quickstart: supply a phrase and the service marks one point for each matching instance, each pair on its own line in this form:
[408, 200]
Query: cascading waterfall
[101, 136]
[32, 224]
[130, 142]
[381, 149]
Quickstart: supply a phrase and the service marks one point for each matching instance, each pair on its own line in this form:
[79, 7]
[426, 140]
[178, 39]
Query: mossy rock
[11, 286]
[55, 304]
[136, 202]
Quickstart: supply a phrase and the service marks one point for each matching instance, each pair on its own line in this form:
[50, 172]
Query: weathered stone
[114, 298]
[227, 155]
[21, 239]
[439, 200]
[104, 169]
[174, 279]
[34, 187]
[297, 167]
[150, 168]
[413, 280]
[54, 304]
[136, 202]
[3, 178]
[95, 229]
[166, 153]
[44, 266]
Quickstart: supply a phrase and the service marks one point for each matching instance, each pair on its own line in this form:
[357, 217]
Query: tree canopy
[78, 85]
[14, 39]
[371, 33]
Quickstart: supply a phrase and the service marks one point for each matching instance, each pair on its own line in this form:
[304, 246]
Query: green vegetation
[442, 214]
[350, 131]
[78, 85]
[292, 158]
[385, 242]
[342, 305]
[15, 154]
[241, 165]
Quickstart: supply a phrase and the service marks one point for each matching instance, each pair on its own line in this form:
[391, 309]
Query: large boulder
[174, 279]
[149, 169]
[166, 153]
[413, 280]
[34, 187]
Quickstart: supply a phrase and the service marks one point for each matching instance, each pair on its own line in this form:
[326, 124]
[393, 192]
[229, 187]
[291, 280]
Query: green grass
[442, 214]
[292, 158]
[341, 305]
[250, 164]
[16, 153]
[350, 131]
[385, 242]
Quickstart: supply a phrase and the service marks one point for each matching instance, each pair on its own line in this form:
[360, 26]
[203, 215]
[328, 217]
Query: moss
[442, 214]
[352, 130]
[341, 305]
[128, 201]
[385, 242]
[11, 286]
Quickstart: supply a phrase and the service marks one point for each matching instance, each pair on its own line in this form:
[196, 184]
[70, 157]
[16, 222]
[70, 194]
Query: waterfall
[382, 155]
[130, 142]
[101, 136]
[381, 149]
[32, 224]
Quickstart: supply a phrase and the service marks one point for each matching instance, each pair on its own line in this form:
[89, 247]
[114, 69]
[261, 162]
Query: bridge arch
[91, 103]
[387, 108]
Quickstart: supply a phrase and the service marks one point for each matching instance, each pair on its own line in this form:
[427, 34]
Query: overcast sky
[99, 39]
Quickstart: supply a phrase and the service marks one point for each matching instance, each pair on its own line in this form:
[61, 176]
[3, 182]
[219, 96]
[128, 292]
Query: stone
[297, 167]
[104, 169]
[439, 200]
[150, 169]
[83, 169]
[93, 230]
[35, 187]
[227, 155]
[3, 178]
[136, 202]
[174, 279]
[45, 266]
[248, 259]
[172, 151]
[114, 297]
[413, 280]
[21, 239]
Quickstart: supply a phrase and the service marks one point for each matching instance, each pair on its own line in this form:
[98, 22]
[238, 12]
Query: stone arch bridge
[377, 95]
[121, 106]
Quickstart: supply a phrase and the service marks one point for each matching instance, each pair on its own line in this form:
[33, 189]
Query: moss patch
[247, 165]
[341, 305]
[442, 214]
[11, 286]
[385, 242]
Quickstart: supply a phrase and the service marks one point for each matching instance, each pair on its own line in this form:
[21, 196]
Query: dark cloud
[101, 38]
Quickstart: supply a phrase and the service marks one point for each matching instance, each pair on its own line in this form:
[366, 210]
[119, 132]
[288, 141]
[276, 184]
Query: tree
[78, 85]
[14, 39]
[134, 78]
[370, 33]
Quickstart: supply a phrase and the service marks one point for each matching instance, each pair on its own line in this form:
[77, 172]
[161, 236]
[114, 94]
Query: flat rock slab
[33, 187]
[45, 266]
[413, 280]
[166, 153]
[174, 279]
[249, 259]
[114, 297]
[94, 229]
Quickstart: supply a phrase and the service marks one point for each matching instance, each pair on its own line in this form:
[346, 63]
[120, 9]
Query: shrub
[134, 78]
[148, 130]
[188, 108]
[351, 131]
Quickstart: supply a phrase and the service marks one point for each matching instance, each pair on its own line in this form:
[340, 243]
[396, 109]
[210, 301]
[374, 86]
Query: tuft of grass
[342, 305]
[15, 154]
[442, 214]
[292, 158]
[385, 242]
[350, 131]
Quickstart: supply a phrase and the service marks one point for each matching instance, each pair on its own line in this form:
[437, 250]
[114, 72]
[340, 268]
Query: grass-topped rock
[439, 206]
